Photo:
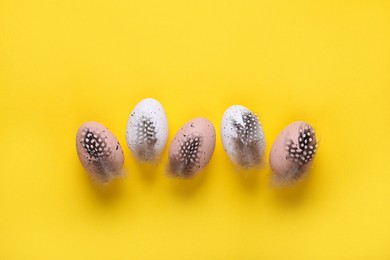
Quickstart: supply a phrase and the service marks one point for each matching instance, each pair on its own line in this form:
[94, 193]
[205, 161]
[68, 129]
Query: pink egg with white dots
[99, 152]
[293, 152]
[192, 148]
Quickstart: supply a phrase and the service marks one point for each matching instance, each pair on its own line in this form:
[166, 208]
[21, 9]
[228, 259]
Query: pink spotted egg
[99, 152]
[292, 153]
[192, 148]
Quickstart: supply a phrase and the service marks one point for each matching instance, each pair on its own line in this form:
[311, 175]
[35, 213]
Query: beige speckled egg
[99, 152]
[292, 153]
[191, 148]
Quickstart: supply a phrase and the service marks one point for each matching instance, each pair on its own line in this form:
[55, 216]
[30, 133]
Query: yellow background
[66, 62]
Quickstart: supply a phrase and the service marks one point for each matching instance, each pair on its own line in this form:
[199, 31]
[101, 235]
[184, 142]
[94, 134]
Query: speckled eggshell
[292, 153]
[242, 136]
[99, 152]
[191, 148]
[147, 130]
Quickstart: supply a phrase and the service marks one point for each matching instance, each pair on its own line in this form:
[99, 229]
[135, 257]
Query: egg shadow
[249, 178]
[147, 171]
[186, 188]
[104, 193]
[294, 194]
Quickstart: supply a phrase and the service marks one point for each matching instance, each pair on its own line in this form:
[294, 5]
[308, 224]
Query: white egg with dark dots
[147, 130]
[292, 153]
[191, 149]
[242, 137]
[99, 152]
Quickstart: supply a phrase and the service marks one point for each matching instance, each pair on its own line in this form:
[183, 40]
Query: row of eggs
[193, 145]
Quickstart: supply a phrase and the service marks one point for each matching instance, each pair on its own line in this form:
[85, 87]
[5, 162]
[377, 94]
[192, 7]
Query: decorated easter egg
[292, 153]
[191, 148]
[242, 136]
[99, 152]
[147, 130]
